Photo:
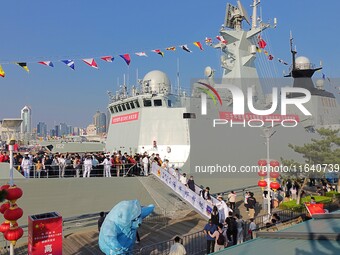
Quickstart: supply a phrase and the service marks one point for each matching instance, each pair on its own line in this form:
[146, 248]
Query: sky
[43, 30]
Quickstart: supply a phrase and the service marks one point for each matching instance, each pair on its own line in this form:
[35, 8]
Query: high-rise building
[26, 116]
[42, 129]
[99, 121]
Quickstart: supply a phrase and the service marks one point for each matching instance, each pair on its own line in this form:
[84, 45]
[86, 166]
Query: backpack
[220, 239]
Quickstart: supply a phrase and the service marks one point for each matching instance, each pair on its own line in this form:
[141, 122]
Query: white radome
[302, 63]
[157, 82]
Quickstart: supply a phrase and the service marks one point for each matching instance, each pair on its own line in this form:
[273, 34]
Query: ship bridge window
[116, 108]
[119, 108]
[124, 108]
[111, 109]
[127, 106]
[137, 103]
[157, 102]
[147, 103]
[132, 105]
[169, 103]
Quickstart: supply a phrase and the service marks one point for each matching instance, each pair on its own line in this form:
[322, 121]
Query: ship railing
[55, 171]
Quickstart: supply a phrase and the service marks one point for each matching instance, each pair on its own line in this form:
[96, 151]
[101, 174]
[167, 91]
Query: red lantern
[13, 234]
[262, 173]
[274, 175]
[13, 193]
[262, 183]
[13, 213]
[4, 207]
[4, 187]
[5, 226]
[274, 185]
[262, 162]
[274, 163]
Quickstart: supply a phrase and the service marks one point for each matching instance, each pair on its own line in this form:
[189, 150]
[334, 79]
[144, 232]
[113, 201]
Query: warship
[151, 118]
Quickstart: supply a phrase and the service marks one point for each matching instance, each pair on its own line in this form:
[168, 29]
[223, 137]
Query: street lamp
[11, 148]
[268, 133]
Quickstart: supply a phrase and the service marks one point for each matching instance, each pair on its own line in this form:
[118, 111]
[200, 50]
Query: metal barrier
[73, 224]
[195, 244]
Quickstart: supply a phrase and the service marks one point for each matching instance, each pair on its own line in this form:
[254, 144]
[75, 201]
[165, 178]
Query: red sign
[45, 234]
[265, 118]
[125, 118]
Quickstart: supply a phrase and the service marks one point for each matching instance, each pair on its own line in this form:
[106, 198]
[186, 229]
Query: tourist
[191, 183]
[183, 179]
[145, 162]
[176, 174]
[215, 216]
[312, 201]
[177, 248]
[251, 205]
[223, 209]
[210, 228]
[206, 194]
[77, 165]
[101, 220]
[232, 200]
[232, 228]
[118, 164]
[246, 196]
[38, 167]
[219, 238]
[293, 192]
[252, 228]
[240, 229]
[62, 166]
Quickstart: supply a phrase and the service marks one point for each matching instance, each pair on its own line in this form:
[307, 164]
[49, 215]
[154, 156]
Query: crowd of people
[96, 164]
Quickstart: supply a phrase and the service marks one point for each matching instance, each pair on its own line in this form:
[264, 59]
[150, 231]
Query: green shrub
[332, 194]
[291, 205]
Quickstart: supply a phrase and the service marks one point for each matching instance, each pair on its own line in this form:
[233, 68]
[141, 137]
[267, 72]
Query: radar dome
[156, 82]
[302, 63]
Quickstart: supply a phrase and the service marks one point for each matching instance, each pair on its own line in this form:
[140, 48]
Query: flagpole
[178, 81]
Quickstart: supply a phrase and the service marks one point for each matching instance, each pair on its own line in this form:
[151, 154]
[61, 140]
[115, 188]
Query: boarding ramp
[192, 198]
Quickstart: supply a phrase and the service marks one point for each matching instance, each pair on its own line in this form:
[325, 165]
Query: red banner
[45, 234]
[125, 118]
[265, 118]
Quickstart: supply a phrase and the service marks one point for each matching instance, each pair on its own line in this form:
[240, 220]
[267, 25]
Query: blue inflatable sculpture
[118, 232]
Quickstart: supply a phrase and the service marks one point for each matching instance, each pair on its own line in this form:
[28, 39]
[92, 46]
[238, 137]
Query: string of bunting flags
[261, 47]
[92, 62]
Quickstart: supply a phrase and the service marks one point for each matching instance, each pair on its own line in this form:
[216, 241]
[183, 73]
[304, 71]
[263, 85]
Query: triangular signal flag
[107, 58]
[46, 63]
[90, 62]
[69, 63]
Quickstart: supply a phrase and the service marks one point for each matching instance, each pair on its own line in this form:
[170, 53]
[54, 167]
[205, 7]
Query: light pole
[268, 133]
[11, 181]
[11, 148]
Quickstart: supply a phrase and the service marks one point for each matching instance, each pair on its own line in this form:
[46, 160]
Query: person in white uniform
[87, 166]
[107, 166]
[26, 164]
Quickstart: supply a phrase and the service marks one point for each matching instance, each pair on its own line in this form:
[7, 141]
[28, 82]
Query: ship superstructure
[151, 118]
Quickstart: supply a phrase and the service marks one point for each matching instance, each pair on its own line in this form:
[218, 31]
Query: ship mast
[254, 17]
[293, 51]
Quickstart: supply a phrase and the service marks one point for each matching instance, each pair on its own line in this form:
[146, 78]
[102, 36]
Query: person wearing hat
[26, 164]
[223, 209]
[107, 165]
[87, 166]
